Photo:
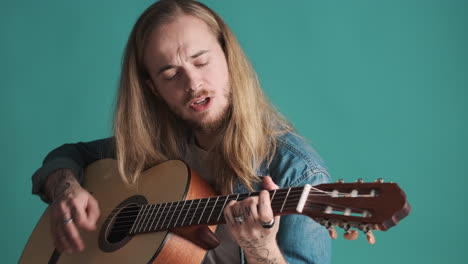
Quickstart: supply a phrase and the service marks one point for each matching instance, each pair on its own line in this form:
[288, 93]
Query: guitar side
[169, 181]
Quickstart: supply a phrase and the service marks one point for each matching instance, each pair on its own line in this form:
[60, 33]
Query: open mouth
[201, 103]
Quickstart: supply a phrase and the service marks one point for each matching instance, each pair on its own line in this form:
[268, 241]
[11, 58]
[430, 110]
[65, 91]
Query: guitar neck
[206, 211]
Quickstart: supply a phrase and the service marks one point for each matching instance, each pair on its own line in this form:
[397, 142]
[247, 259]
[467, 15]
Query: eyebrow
[196, 55]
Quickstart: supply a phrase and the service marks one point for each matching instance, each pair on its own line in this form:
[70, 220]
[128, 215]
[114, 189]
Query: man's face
[188, 69]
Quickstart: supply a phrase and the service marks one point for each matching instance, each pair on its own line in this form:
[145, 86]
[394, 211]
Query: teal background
[378, 87]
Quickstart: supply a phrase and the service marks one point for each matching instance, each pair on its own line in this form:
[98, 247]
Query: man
[187, 91]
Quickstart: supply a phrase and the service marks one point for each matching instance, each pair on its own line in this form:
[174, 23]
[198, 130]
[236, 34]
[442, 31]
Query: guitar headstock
[365, 206]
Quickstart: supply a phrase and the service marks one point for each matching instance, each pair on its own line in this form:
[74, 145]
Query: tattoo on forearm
[257, 249]
[60, 183]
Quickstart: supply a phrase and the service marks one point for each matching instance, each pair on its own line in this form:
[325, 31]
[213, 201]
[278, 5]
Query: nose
[194, 81]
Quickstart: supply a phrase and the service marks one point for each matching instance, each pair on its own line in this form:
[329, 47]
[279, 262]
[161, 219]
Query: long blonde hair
[147, 132]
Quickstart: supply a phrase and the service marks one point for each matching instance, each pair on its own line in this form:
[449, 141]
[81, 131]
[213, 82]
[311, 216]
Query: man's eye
[170, 75]
[201, 64]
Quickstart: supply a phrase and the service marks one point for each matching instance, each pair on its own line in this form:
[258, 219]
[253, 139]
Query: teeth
[201, 101]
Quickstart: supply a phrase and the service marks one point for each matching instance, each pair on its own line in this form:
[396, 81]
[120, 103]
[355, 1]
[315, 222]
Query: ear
[149, 83]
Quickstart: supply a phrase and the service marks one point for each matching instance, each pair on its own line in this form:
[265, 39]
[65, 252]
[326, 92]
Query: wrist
[58, 183]
[263, 252]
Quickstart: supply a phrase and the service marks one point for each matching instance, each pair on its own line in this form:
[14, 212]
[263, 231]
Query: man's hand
[254, 227]
[72, 209]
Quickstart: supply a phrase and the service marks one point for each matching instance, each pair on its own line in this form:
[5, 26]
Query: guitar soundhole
[115, 231]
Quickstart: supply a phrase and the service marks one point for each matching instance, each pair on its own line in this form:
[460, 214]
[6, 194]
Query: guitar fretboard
[207, 211]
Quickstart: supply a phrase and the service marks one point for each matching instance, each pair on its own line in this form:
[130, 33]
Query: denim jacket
[295, 163]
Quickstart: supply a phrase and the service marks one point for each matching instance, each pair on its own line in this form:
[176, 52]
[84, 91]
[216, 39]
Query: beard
[213, 125]
[202, 122]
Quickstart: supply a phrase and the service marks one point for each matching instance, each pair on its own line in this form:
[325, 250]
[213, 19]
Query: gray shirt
[228, 251]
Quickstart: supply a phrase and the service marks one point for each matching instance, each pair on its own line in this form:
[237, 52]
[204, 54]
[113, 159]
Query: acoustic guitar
[170, 215]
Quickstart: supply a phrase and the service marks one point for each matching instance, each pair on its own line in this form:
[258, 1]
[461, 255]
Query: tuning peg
[340, 181]
[380, 180]
[360, 180]
[351, 234]
[370, 237]
[332, 232]
[331, 229]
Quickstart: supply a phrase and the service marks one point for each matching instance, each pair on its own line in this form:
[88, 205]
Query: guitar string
[203, 201]
[195, 213]
[166, 225]
[169, 225]
[189, 211]
[148, 216]
[294, 190]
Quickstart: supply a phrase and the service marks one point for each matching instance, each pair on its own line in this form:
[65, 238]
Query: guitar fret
[199, 220]
[170, 220]
[142, 226]
[147, 218]
[214, 205]
[154, 218]
[137, 220]
[150, 213]
[222, 208]
[188, 211]
[168, 212]
[181, 209]
[142, 219]
[285, 198]
[273, 196]
[195, 212]
[141, 216]
[162, 213]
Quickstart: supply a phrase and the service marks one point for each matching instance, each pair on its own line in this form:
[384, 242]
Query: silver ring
[268, 224]
[67, 220]
[239, 219]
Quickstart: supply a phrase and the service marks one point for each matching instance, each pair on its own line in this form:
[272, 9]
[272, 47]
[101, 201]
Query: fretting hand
[253, 226]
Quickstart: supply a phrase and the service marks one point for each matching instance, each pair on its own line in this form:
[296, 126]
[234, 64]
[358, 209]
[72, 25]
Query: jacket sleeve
[301, 239]
[72, 156]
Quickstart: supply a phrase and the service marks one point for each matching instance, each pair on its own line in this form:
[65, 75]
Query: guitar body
[169, 181]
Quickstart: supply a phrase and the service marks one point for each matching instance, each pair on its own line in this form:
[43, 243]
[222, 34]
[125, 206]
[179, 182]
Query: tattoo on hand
[247, 210]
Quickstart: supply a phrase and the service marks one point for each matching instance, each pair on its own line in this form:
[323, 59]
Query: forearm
[258, 252]
[58, 182]
[74, 157]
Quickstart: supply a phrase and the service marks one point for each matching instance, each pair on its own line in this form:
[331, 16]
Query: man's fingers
[73, 236]
[228, 213]
[77, 211]
[62, 240]
[66, 235]
[265, 213]
[79, 214]
[93, 212]
[268, 183]
[85, 212]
